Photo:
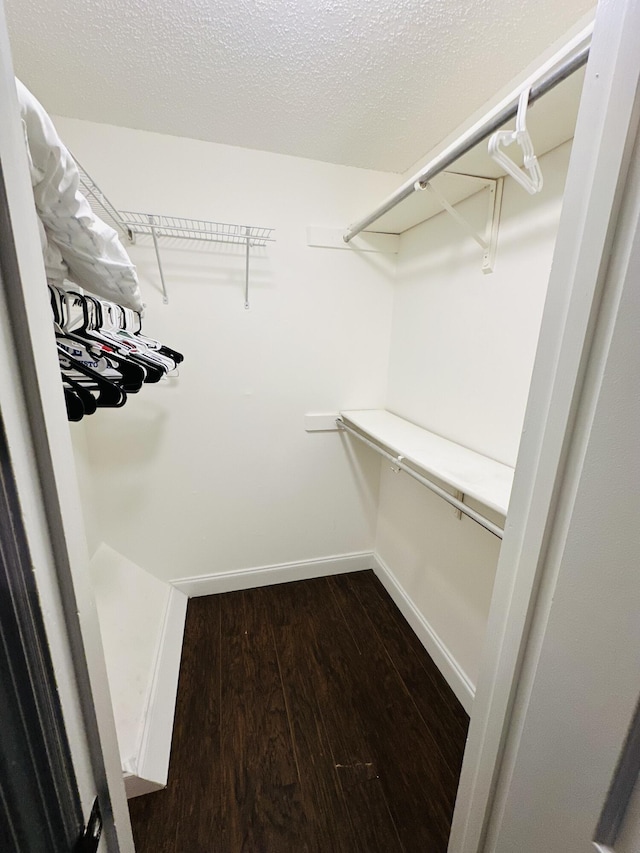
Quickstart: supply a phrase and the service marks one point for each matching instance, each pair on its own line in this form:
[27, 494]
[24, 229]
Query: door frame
[40, 806]
[596, 181]
[39, 441]
[39, 444]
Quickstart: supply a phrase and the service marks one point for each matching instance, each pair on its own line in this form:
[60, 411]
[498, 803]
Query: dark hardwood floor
[309, 719]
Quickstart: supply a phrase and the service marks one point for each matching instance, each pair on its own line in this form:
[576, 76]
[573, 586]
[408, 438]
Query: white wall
[212, 471]
[462, 352]
[86, 484]
[464, 342]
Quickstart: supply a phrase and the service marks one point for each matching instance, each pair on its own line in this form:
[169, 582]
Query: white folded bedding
[77, 245]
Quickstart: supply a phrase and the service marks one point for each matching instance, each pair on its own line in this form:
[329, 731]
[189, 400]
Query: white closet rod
[397, 461]
[469, 140]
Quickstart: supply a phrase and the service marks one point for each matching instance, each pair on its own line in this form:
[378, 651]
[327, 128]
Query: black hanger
[85, 395]
[155, 370]
[111, 395]
[75, 408]
[133, 374]
[135, 363]
[137, 332]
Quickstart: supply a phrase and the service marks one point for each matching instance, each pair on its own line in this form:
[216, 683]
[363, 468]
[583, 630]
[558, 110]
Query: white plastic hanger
[531, 177]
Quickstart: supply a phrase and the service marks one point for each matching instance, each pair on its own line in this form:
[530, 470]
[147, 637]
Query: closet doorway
[584, 244]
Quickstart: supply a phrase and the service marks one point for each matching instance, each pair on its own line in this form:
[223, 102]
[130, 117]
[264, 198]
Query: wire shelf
[196, 229]
[101, 205]
[130, 223]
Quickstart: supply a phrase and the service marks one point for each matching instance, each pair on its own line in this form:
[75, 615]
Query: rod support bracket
[488, 239]
[494, 209]
[396, 468]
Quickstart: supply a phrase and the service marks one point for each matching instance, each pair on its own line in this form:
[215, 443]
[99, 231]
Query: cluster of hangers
[103, 355]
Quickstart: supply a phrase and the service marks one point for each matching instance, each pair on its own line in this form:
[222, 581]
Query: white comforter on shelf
[77, 245]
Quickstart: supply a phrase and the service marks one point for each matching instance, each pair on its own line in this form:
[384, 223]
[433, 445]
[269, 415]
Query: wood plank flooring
[309, 719]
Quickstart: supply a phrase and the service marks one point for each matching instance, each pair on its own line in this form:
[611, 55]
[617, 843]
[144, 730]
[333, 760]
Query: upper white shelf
[551, 121]
[483, 479]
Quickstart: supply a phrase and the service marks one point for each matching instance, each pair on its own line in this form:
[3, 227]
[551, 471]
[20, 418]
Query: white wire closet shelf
[428, 457]
[130, 224]
[196, 229]
[101, 205]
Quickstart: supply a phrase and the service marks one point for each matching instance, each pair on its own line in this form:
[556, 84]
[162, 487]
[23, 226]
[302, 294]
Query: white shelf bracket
[488, 240]
[396, 468]
[154, 234]
[247, 231]
[494, 210]
[459, 496]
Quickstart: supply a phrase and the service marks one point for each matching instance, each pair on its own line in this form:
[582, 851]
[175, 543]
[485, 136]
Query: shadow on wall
[455, 250]
[120, 445]
[202, 264]
[366, 476]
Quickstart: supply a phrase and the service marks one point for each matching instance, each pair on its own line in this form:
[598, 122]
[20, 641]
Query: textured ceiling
[370, 83]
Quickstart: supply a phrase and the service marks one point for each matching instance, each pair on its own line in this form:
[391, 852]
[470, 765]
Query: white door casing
[37, 431]
[572, 360]
[628, 840]
[581, 676]
[36, 427]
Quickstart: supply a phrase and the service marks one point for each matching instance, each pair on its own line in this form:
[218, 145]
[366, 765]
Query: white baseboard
[151, 767]
[456, 677]
[267, 575]
[213, 584]
[149, 771]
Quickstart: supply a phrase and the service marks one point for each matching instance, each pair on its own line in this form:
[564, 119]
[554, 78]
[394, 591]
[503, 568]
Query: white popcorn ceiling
[374, 83]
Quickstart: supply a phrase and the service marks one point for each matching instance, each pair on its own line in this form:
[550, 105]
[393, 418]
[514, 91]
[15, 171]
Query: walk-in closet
[319, 316]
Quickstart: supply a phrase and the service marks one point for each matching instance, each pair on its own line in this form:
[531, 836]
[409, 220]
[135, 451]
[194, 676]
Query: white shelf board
[423, 205]
[131, 607]
[480, 478]
[551, 121]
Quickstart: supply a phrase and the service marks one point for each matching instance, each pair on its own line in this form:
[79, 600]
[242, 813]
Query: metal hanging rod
[469, 140]
[449, 498]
